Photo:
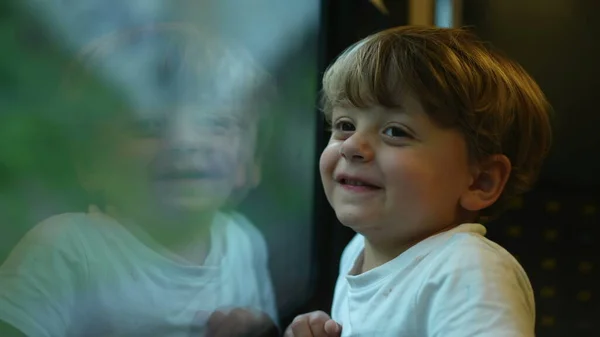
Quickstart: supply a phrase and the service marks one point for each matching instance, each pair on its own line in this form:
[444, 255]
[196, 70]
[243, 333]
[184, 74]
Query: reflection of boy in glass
[157, 254]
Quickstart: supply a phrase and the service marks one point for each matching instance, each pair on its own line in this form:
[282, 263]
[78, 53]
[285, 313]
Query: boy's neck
[186, 236]
[180, 232]
[380, 251]
[376, 254]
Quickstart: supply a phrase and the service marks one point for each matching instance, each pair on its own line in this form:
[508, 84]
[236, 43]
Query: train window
[155, 106]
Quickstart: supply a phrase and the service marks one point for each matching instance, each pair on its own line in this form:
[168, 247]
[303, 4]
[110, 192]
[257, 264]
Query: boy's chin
[352, 216]
[359, 221]
[191, 205]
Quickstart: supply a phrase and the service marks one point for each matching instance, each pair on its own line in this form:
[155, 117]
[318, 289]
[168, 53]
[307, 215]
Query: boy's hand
[314, 324]
[241, 323]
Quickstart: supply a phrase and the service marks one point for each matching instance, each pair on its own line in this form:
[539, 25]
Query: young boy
[431, 131]
[157, 254]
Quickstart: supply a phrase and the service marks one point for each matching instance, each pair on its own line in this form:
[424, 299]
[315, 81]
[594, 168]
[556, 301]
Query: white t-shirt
[86, 275]
[453, 284]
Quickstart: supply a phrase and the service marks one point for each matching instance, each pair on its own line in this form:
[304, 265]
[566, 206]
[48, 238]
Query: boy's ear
[489, 178]
[249, 176]
[256, 174]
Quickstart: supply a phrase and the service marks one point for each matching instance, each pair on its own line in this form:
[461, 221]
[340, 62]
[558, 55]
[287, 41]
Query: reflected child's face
[191, 159]
[193, 155]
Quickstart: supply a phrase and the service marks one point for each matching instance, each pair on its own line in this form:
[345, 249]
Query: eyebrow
[397, 110]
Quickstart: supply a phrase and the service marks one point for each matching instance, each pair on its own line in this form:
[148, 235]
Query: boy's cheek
[329, 158]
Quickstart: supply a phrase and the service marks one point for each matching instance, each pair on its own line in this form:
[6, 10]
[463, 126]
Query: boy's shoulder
[239, 223]
[462, 247]
[59, 228]
[74, 232]
[471, 257]
[468, 248]
[470, 277]
[241, 232]
[58, 239]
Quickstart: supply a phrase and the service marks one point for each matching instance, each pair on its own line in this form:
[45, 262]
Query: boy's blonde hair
[200, 63]
[461, 83]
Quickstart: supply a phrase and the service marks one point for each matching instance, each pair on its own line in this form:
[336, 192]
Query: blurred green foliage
[46, 125]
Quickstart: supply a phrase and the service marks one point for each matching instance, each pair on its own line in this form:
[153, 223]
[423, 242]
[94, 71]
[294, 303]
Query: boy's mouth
[352, 181]
[189, 175]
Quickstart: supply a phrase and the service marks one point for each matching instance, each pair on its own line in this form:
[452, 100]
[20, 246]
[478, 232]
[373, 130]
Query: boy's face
[191, 159]
[415, 171]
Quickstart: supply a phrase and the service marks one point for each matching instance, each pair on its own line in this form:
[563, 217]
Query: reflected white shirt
[86, 275]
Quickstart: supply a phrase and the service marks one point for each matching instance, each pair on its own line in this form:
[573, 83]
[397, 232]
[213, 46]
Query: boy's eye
[219, 125]
[395, 132]
[148, 128]
[222, 124]
[344, 126]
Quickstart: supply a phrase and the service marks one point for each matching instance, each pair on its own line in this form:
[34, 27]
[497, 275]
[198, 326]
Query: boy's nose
[357, 148]
[185, 137]
[182, 130]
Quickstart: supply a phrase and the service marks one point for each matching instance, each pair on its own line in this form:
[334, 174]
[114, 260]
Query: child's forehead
[168, 67]
[374, 111]
[404, 102]
[194, 111]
